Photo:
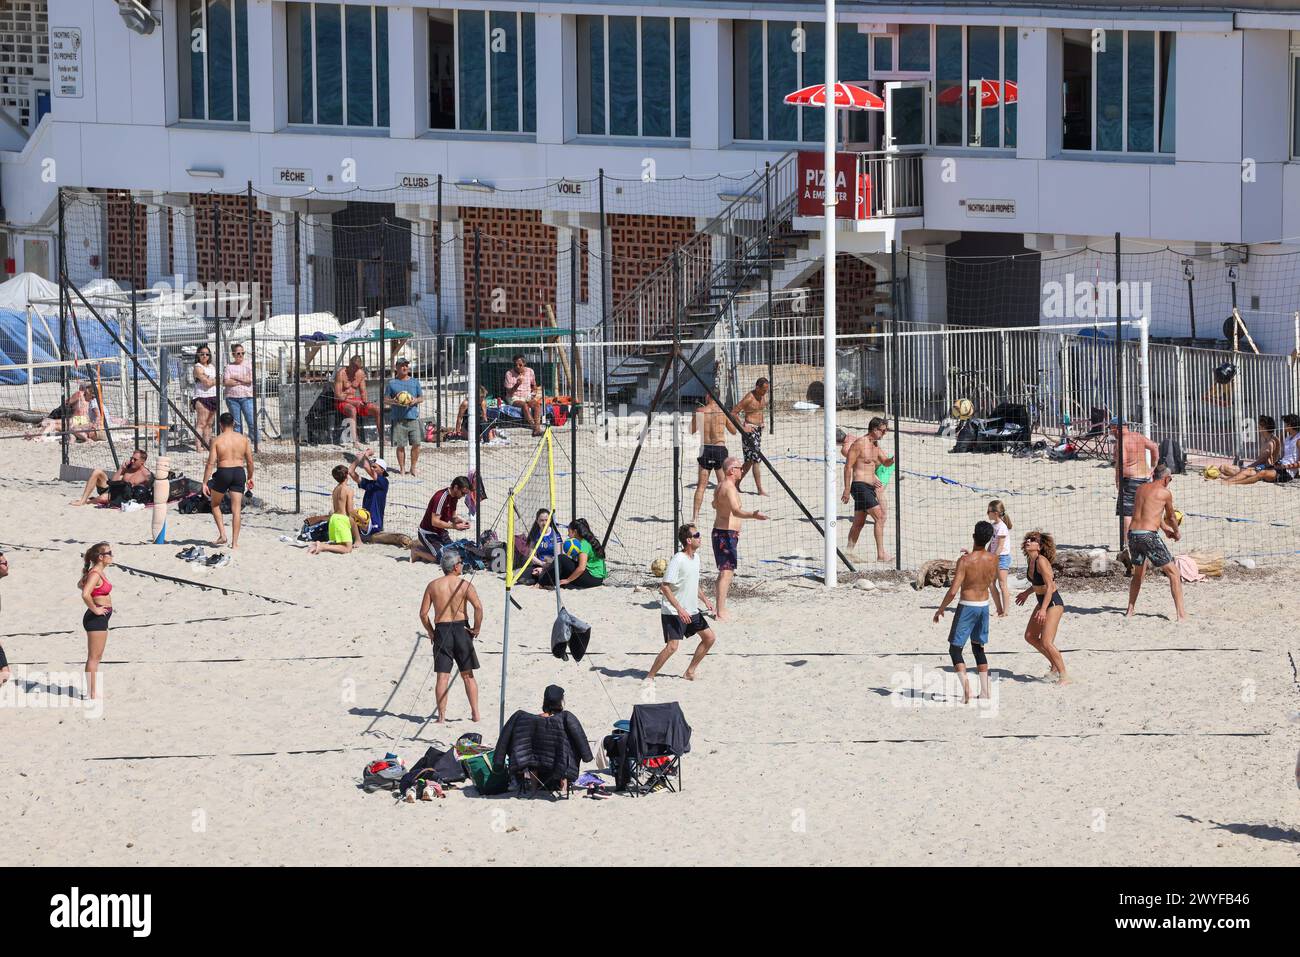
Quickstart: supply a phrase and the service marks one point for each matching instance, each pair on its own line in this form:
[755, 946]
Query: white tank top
[200, 390]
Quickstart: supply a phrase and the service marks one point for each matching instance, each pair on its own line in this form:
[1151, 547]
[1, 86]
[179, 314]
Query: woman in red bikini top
[95, 589]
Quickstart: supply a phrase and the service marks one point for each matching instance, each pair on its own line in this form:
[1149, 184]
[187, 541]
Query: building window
[338, 64]
[213, 55]
[773, 59]
[1118, 88]
[634, 76]
[906, 51]
[975, 75]
[482, 71]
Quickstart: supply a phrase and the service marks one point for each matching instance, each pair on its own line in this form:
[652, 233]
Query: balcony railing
[896, 178]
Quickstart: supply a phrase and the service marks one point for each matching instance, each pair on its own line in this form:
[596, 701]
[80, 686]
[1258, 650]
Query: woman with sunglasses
[238, 380]
[95, 591]
[1045, 620]
[204, 402]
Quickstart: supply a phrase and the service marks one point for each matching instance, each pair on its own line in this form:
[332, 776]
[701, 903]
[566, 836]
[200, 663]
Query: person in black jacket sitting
[550, 745]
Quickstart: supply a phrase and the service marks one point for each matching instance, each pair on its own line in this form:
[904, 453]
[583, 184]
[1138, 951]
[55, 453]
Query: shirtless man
[750, 411]
[350, 396]
[228, 472]
[1140, 456]
[1153, 512]
[977, 570]
[860, 480]
[726, 529]
[450, 632]
[99, 487]
[712, 426]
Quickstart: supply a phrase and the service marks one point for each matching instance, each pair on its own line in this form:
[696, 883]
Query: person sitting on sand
[439, 520]
[977, 570]
[545, 534]
[1040, 551]
[374, 499]
[1269, 449]
[451, 633]
[344, 535]
[229, 471]
[101, 489]
[461, 431]
[79, 414]
[1153, 511]
[680, 595]
[581, 560]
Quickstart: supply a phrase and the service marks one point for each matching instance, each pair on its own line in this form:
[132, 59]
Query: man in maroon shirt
[439, 519]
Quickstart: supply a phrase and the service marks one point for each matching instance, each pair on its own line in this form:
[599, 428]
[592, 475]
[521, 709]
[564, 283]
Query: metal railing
[897, 182]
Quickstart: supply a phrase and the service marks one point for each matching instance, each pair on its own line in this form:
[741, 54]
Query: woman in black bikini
[95, 590]
[1040, 550]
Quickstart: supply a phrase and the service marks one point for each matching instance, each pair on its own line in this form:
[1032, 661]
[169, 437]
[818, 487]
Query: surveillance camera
[137, 15]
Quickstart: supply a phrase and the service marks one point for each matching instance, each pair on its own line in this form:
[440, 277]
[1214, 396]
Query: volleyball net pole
[546, 442]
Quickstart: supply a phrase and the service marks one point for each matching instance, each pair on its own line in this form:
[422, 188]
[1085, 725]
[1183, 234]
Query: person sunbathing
[124, 485]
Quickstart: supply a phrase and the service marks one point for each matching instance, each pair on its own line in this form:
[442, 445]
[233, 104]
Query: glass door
[907, 114]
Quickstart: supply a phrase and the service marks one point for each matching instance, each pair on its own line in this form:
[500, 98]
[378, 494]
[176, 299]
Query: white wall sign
[997, 208]
[288, 176]
[1232, 274]
[414, 180]
[65, 61]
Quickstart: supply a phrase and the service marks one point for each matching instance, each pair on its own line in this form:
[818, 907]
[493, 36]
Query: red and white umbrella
[990, 93]
[847, 97]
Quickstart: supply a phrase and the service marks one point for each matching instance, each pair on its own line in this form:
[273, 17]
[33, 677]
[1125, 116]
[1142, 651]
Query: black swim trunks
[864, 497]
[675, 629]
[752, 441]
[1148, 545]
[228, 480]
[452, 644]
[712, 456]
[1126, 495]
[1056, 601]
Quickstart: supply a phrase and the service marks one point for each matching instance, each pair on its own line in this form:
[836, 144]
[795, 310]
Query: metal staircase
[691, 291]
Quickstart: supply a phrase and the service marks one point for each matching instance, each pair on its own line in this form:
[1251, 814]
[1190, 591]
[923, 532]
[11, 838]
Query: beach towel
[1188, 570]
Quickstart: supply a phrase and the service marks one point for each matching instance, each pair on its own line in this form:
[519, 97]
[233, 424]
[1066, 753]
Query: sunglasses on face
[693, 535]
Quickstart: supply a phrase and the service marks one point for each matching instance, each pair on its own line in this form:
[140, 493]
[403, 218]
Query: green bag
[487, 780]
[884, 473]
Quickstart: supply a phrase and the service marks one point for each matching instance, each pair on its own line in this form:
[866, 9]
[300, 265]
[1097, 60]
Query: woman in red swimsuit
[95, 591]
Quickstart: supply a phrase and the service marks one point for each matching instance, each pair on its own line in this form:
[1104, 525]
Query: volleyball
[658, 567]
[963, 409]
[1212, 472]
[1179, 516]
[362, 517]
[573, 548]
[404, 398]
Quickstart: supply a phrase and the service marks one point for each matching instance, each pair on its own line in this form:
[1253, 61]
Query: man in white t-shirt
[679, 604]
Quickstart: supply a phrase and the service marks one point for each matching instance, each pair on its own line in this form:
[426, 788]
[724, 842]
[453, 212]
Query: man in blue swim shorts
[977, 570]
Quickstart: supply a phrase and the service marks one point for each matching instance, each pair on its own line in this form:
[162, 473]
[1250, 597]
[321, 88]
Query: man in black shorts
[712, 426]
[229, 472]
[680, 595]
[451, 633]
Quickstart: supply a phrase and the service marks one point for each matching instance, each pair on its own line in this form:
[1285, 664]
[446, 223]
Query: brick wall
[638, 245]
[117, 224]
[234, 241]
[519, 258]
[855, 293]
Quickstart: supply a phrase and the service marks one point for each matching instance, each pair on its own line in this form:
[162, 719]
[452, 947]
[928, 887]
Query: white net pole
[830, 502]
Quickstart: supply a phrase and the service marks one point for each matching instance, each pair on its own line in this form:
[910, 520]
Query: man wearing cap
[1139, 456]
[451, 632]
[402, 400]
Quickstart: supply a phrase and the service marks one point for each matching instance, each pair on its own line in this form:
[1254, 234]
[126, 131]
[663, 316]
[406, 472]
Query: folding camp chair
[652, 773]
[1095, 440]
[652, 749]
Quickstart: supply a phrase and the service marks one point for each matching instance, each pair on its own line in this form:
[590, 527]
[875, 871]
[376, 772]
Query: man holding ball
[402, 400]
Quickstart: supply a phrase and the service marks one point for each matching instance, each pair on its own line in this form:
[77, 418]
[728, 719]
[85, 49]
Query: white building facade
[1052, 128]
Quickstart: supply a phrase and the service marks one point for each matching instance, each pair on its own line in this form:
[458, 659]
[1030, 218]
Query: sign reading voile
[852, 192]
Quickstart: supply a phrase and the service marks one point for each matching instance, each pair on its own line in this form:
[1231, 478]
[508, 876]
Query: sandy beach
[825, 724]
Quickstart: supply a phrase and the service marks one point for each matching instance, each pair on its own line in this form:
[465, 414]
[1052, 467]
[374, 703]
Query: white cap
[381, 463]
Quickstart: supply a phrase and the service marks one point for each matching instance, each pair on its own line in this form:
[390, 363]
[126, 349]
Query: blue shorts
[972, 622]
[1004, 562]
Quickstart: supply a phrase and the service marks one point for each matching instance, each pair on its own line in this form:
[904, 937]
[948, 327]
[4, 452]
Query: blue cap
[623, 725]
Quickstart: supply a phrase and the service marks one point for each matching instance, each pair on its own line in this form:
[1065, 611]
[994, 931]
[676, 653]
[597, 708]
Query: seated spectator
[374, 498]
[522, 391]
[544, 534]
[581, 560]
[1269, 446]
[343, 532]
[1286, 466]
[439, 520]
[79, 414]
[549, 746]
[461, 431]
[131, 482]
